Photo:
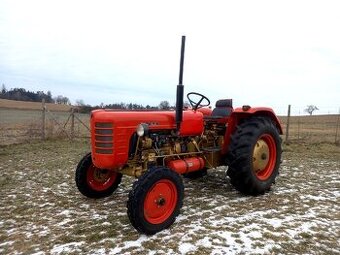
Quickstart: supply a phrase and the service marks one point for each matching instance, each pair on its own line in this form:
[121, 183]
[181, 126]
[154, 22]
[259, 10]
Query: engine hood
[111, 132]
[157, 120]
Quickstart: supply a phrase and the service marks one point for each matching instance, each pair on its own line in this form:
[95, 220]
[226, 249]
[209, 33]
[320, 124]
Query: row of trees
[21, 94]
[85, 108]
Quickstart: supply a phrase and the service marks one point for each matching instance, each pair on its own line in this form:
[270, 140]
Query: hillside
[23, 105]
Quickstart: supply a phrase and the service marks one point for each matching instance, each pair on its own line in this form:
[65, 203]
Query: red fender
[247, 112]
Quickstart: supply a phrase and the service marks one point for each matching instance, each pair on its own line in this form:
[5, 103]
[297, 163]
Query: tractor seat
[223, 109]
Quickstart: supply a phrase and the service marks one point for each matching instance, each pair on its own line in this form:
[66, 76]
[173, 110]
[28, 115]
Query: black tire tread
[81, 180]
[137, 195]
[240, 155]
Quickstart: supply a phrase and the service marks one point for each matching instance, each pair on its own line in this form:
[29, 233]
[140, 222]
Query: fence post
[287, 127]
[72, 123]
[337, 128]
[43, 128]
[298, 131]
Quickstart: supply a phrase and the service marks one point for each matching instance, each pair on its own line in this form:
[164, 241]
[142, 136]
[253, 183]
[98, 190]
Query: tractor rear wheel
[155, 200]
[94, 182]
[254, 156]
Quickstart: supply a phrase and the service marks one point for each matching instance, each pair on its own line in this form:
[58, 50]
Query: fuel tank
[187, 165]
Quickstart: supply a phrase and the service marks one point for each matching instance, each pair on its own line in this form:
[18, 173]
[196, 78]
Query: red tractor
[157, 147]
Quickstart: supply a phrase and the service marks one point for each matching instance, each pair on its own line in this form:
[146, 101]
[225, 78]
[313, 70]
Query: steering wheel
[197, 102]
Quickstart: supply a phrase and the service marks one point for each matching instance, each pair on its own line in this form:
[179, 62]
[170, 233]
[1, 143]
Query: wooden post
[43, 126]
[72, 123]
[337, 128]
[287, 127]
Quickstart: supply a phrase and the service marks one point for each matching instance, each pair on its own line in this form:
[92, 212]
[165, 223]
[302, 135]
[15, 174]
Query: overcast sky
[261, 53]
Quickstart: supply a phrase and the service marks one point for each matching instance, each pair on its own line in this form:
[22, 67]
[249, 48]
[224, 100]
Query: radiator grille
[103, 137]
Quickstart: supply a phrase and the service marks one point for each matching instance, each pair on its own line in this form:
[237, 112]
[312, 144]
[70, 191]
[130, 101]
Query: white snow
[64, 222]
[65, 248]
[205, 242]
[184, 248]
[39, 253]
[65, 213]
[129, 244]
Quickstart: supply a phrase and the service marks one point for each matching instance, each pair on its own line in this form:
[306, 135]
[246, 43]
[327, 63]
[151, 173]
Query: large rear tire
[94, 182]
[254, 156]
[155, 200]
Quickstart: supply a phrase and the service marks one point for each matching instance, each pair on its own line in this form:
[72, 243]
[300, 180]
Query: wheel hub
[101, 175]
[260, 155]
[161, 201]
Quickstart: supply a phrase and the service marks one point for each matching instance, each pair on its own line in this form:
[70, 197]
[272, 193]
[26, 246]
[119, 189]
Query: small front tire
[155, 200]
[94, 182]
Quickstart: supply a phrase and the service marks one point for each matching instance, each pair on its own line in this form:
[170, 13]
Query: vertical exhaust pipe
[180, 89]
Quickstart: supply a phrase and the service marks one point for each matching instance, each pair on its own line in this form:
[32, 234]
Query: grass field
[43, 213]
[24, 105]
[313, 129]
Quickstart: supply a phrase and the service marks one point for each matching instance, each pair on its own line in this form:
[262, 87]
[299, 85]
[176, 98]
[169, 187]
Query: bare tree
[310, 109]
[186, 104]
[62, 100]
[80, 102]
[3, 89]
[164, 105]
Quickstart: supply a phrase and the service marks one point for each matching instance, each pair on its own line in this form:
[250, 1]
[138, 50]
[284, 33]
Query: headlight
[142, 129]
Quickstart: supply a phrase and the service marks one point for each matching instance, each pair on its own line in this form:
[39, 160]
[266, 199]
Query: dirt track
[43, 213]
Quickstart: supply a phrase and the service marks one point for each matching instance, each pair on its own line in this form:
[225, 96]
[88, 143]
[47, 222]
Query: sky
[260, 53]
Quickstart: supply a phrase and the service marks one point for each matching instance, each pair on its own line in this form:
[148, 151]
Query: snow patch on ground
[45, 214]
[66, 248]
[184, 248]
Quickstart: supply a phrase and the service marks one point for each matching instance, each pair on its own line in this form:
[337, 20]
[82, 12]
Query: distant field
[12, 104]
[329, 119]
[315, 128]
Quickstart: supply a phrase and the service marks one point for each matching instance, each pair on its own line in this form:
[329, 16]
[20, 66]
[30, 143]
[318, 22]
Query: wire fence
[21, 125]
[311, 128]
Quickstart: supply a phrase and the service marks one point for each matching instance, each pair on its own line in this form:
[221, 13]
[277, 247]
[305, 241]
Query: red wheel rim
[160, 201]
[100, 179]
[264, 157]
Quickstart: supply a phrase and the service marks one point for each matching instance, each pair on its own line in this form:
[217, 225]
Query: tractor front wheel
[155, 200]
[94, 182]
[254, 156]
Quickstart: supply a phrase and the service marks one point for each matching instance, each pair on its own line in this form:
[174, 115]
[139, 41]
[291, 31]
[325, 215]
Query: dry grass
[21, 121]
[313, 129]
[43, 213]
[24, 105]
[17, 126]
